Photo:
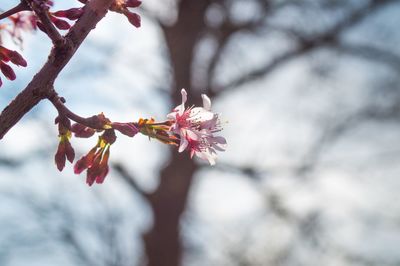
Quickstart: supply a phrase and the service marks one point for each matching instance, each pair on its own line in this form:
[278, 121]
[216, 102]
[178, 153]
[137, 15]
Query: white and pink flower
[196, 127]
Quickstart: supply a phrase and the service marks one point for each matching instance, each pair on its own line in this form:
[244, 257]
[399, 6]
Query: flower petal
[206, 102]
[183, 145]
[219, 139]
[192, 135]
[181, 108]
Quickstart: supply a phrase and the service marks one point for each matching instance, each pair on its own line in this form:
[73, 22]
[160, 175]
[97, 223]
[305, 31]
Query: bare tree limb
[128, 178]
[7, 162]
[370, 53]
[20, 7]
[306, 45]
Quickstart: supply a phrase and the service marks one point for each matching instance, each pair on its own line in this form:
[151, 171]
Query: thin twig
[63, 110]
[329, 37]
[43, 15]
[20, 7]
[131, 181]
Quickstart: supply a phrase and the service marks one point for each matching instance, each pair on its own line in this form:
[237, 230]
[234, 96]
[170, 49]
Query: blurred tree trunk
[162, 242]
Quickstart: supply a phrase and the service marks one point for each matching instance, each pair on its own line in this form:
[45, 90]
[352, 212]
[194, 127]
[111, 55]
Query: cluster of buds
[96, 161]
[193, 129]
[7, 56]
[71, 14]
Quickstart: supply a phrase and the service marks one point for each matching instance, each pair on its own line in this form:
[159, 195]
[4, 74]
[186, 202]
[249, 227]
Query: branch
[42, 14]
[20, 7]
[223, 35]
[11, 163]
[130, 180]
[229, 28]
[252, 172]
[42, 83]
[266, 69]
[307, 45]
[370, 53]
[59, 104]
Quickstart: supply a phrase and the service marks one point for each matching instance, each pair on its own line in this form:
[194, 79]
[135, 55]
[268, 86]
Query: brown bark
[168, 202]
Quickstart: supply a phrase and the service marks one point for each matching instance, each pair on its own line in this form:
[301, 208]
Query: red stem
[64, 111]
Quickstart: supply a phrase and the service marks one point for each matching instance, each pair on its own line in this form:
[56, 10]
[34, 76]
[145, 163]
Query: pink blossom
[196, 127]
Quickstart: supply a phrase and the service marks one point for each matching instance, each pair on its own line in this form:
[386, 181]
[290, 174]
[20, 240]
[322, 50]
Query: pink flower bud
[64, 125]
[60, 156]
[102, 174]
[103, 167]
[128, 129]
[69, 151]
[7, 71]
[85, 162]
[94, 170]
[16, 58]
[109, 136]
[72, 13]
[99, 121]
[64, 151]
[81, 165]
[133, 3]
[133, 18]
[81, 131]
[61, 24]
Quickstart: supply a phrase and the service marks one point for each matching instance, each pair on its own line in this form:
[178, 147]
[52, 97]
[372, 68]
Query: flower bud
[16, 58]
[7, 71]
[69, 151]
[133, 3]
[81, 131]
[109, 136]
[59, 158]
[133, 18]
[128, 129]
[85, 162]
[61, 24]
[71, 14]
[94, 170]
